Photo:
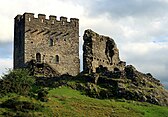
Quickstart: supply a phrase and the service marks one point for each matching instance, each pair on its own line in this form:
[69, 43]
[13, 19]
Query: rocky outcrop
[129, 84]
[109, 77]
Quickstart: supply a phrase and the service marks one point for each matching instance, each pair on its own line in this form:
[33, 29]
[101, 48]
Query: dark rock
[41, 69]
[130, 72]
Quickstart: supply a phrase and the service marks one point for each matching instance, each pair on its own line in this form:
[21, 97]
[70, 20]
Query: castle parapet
[74, 21]
[52, 17]
[41, 17]
[28, 16]
[63, 19]
[18, 17]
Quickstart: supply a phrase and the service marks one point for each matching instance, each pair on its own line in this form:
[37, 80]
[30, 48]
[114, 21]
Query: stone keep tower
[51, 41]
[99, 50]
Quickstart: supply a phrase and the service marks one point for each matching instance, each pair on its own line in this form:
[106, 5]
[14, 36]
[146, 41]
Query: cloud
[6, 53]
[6, 49]
[137, 20]
[148, 57]
[5, 65]
[134, 8]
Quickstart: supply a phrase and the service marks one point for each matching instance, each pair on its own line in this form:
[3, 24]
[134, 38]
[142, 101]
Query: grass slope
[72, 103]
[65, 102]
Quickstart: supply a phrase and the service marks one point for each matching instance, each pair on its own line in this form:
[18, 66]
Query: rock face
[110, 77]
[129, 84]
[41, 69]
[100, 51]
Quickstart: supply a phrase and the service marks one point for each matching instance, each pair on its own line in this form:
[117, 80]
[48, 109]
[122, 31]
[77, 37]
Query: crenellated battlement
[18, 17]
[29, 17]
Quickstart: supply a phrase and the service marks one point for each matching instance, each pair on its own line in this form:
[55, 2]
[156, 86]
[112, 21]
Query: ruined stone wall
[52, 41]
[100, 51]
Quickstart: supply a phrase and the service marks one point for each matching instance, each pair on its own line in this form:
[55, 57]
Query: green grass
[65, 102]
[72, 103]
[43, 111]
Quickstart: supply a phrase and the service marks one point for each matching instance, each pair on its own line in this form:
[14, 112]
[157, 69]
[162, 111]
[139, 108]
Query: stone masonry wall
[51, 41]
[18, 42]
[100, 51]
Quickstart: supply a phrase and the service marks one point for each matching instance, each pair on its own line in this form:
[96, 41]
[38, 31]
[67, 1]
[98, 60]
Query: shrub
[20, 108]
[16, 81]
[17, 105]
[42, 95]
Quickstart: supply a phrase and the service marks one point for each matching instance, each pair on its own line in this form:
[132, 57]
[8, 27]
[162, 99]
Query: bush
[17, 105]
[42, 95]
[20, 108]
[16, 81]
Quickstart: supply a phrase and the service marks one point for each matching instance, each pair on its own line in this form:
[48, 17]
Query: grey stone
[51, 41]
[99, 50]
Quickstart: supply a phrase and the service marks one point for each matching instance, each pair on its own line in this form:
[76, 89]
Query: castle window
[38, 57]
[63, 23]
[53, 22]
[56, 59]
[116, 69]
[43, 58]
[42, 20]
[29, 19]
[51, 59]
[51, 42]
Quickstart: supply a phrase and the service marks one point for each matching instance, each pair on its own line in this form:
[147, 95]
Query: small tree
[16, 81]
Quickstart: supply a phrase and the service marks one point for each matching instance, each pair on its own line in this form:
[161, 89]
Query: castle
[47, 41]
[50, 48]
[99, 50]
[56, 43]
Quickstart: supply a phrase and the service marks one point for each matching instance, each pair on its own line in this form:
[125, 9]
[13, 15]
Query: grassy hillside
[65, 101]
[22, 95]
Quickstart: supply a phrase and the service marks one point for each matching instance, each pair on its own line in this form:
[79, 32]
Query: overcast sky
[139, 27]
